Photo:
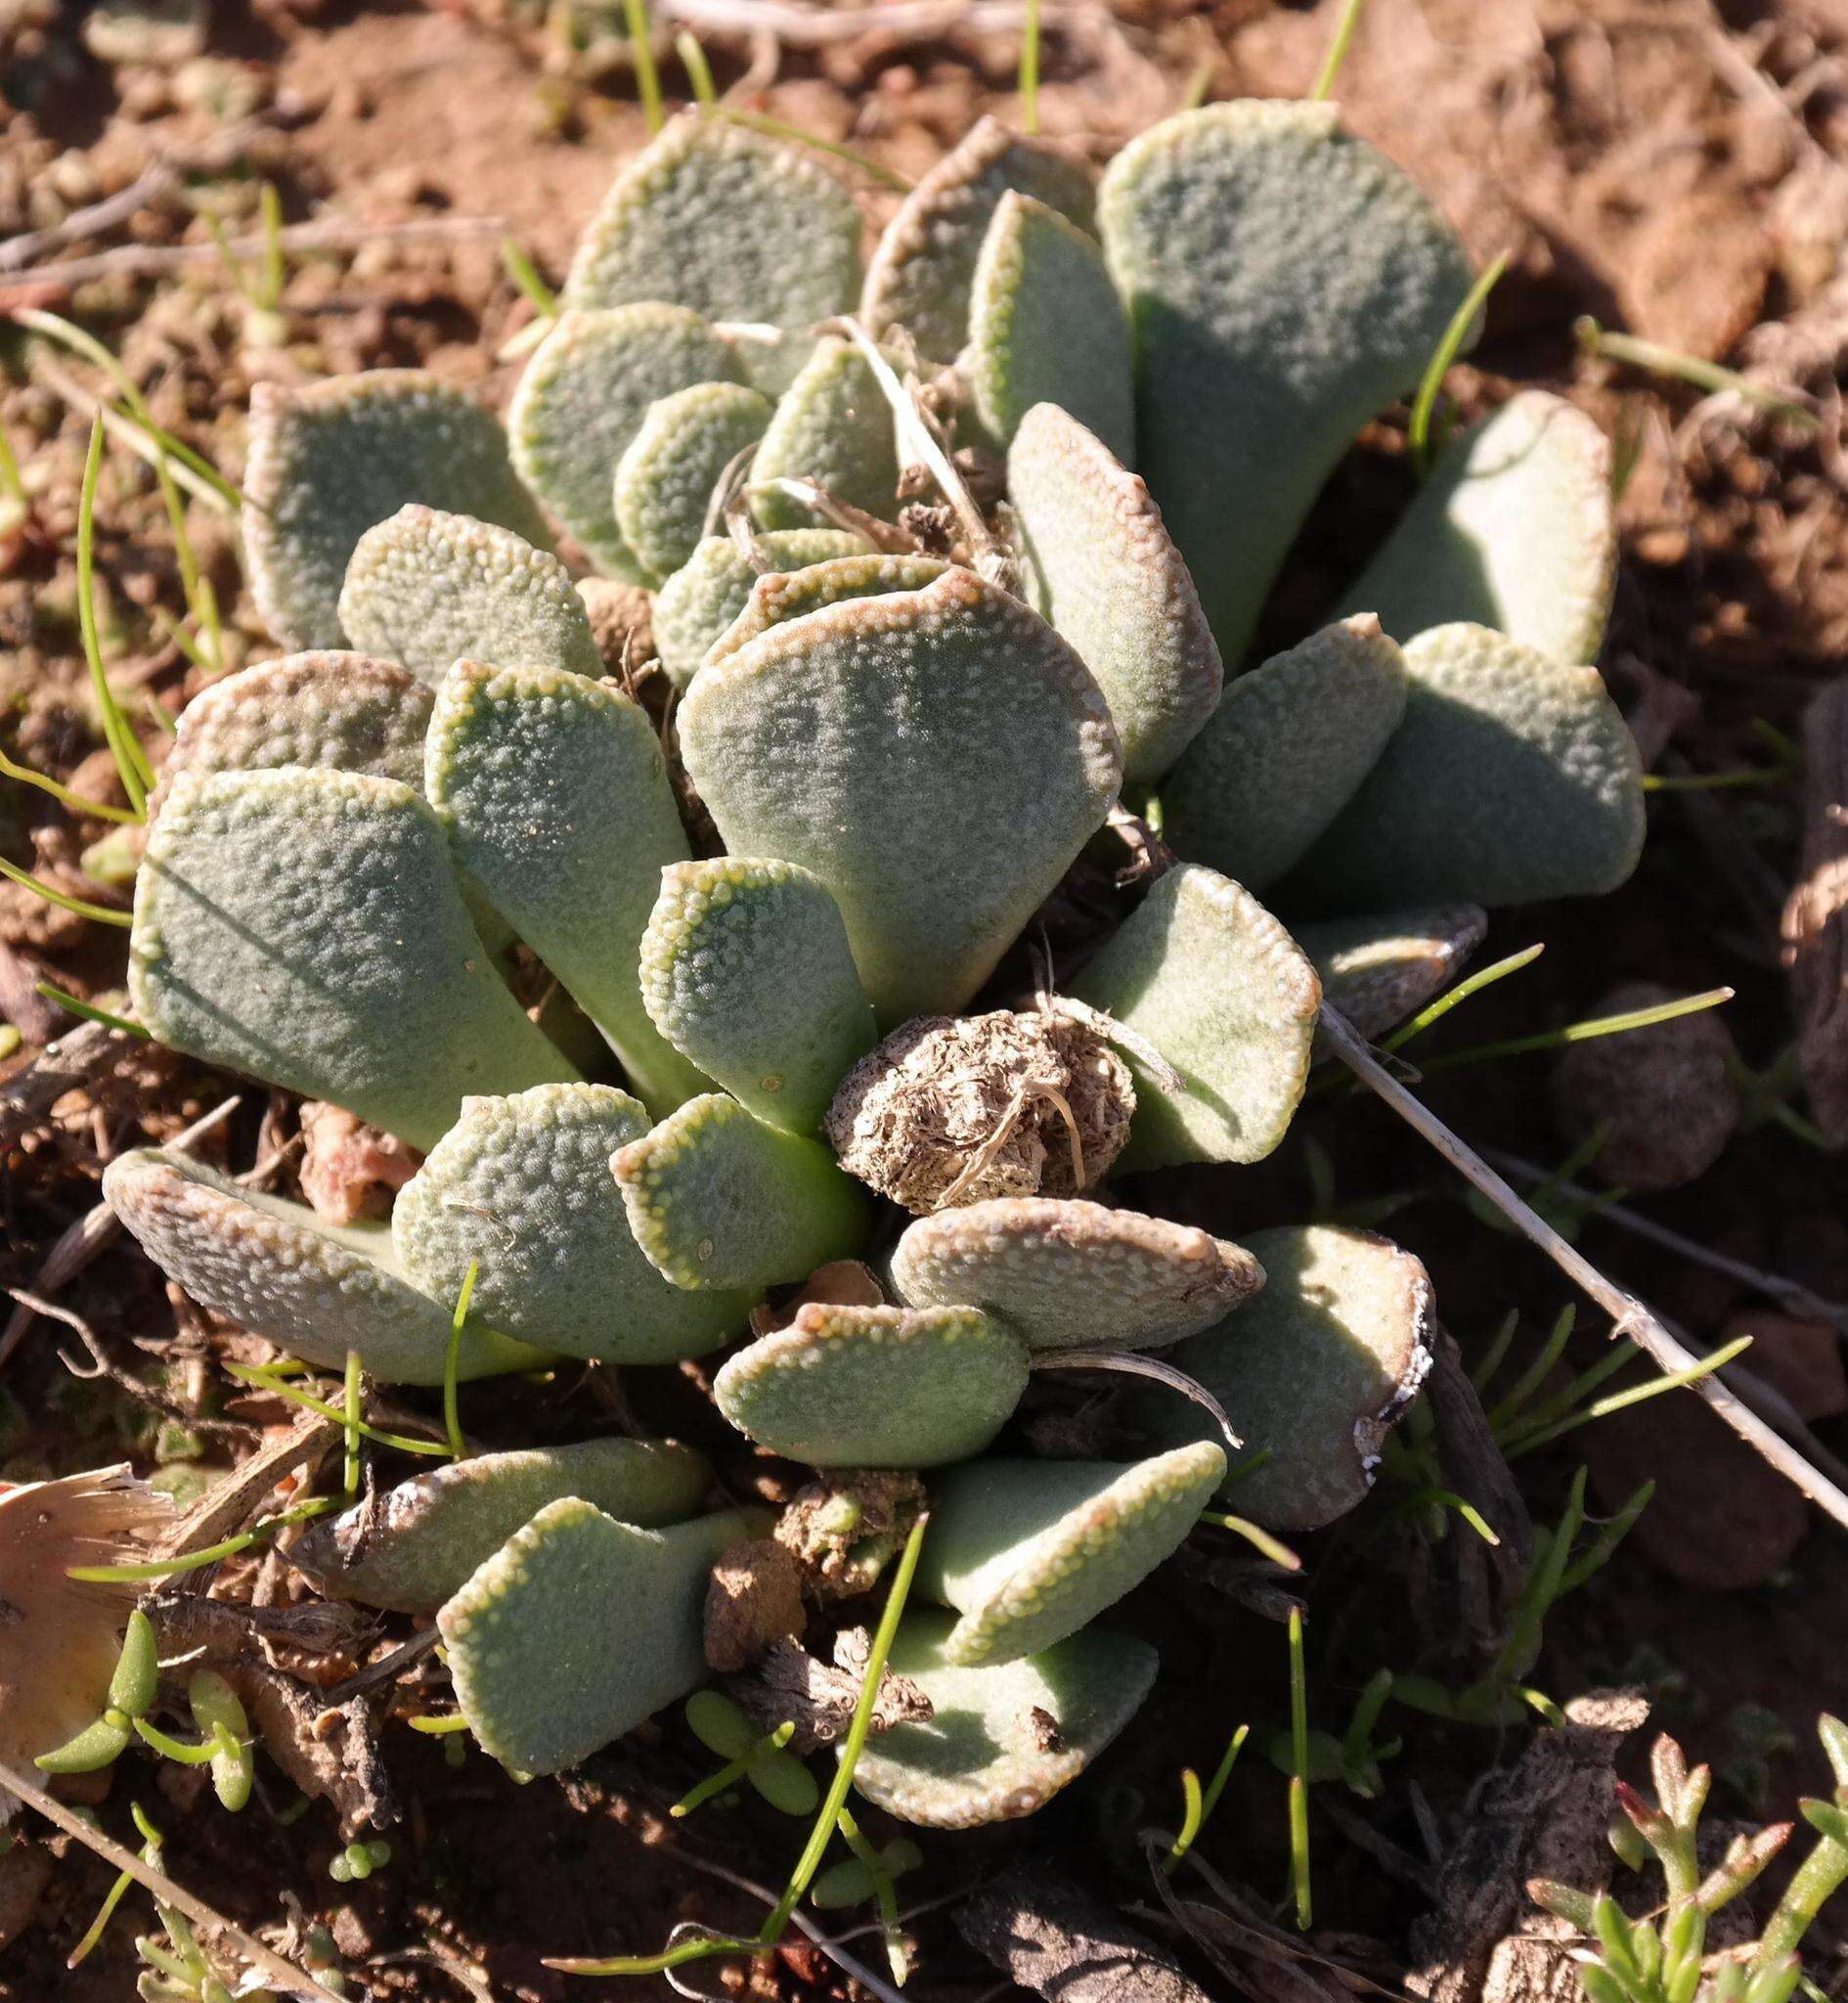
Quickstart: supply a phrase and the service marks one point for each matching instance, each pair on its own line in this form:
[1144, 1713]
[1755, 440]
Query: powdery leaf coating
[579, 1627]
[712, 588]
[936, 757]
[666, 477]
[1378, 969]
[736, 226]
[1106, 573]
[791, 595]
[1283, 753]
[1045, 325]
[985, 1756]
[1516, 528]
[1512, 779]
[1204, 972]
[1065, 1273]
[875, 1387]
[327, 462]
[584, 396]
[521, 1189]
[307, 926]
[556, 794]
[923, 270]
[345, 710]
[833, 426]
[313, 1289]
[1319, 1369]
[718, 1199]
[1285, 281]
[426, 588]
[423, 1539]
[746, 971]
[1028, 1551]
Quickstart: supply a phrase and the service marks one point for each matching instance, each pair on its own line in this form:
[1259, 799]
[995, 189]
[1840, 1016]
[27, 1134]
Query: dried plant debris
[844, 1529]
[958, 1109]
[1814, 928]
[790, 1687]
[753, 1603]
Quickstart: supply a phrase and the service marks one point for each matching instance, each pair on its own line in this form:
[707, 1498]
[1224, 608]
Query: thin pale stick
[1629, 1315]
[1133, 1363]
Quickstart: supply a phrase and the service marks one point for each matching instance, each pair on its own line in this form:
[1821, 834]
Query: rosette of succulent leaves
[778, 923]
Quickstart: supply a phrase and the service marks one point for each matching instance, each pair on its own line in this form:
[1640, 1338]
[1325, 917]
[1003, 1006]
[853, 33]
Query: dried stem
[1629, 1316]
[885, 536]
[1133, 1363]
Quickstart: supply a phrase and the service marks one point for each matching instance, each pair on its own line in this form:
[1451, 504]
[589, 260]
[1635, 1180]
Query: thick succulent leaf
[778, 599]
[426, 587]
[746, 971]
[1028, 1551]
[419, 1543]
[579, 1627]
[1512, 779]
[520, 1188]
[343, 710]
[314, 1289]
[923, 270]
[833, 426]
[1105, 571]
[554, 792]
[1204, 972]
[1517, 529]
[666, 478]
[1283, 753]
[584, 396]
[985, 1756]
[1045, 325]
[718, 1199]
[1285, 281]
[735, 225]
[940, 797]
[1378, 969]
[307, 926]
[1066, 1274]
[712, 588]
[1316, 1371]
[875, 1387]
[327, 462]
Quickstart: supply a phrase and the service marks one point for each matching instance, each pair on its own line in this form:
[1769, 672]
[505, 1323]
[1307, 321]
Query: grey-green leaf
[313, 1289]
[329, 460]
[1104, 569]
[1045, 325]
[1285, 281]
[423, 1539]
[1315, 1372]
[1512, 778]
[584, 396]
[1516, 528]
[520, 1188]
[735, 225]
[426, 589]
[711, 589]
[1204, 972]
[1066, 1274]
[875, 1387]
[1283, 753]
[793, 594]
[554, 792]
[878, 743]
[746, 971]
[307, 926]
[667, 476]
[833, 428]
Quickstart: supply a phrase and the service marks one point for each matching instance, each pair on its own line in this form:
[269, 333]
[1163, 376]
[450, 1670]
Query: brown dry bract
[1815, 934]
[1545, 1817]
[956, 1110]
[792, 1686]
[350, 1170]
[837, 1564]
[754, 1599]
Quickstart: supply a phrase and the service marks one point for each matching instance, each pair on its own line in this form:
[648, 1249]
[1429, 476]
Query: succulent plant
[880, 742]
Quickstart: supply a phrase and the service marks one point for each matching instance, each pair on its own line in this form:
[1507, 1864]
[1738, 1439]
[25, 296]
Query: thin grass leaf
[451, 1363]
[1192, 97]
[1418, 436]
[12, 480]
[131, 762]
[1598, 1552]
[193, 1561]
[1708, 375]
[1617, 1401]
[1492, 1357]
[1299, 1774]
[437, 1727]
[1028, 83]
[733, 1771]
[641, 46]
[1471, 983]
[100, 914]
[150, 1855]
[76, 802]
[525, 274]
[778, 128]
[1535, 1374]
[265, 1380]
[1273, 1548]
[1584, 1032]
[1447, 1499]
[885, 1897]
[698, 70]
[1193, 1813]
[1337, 52]
[1581, 1387]
[275, 264]
[352, 1420]
[89, 1011]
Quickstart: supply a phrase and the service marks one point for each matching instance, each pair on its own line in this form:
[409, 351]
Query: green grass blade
[452, 1365]
[1472, 984]
[1030, 71]
[131, 763]
[698, 70]
[1584, 1032]
[99, 913]
[1418, 432]
[648, 78]
[89, 1011]
[1338, 48]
